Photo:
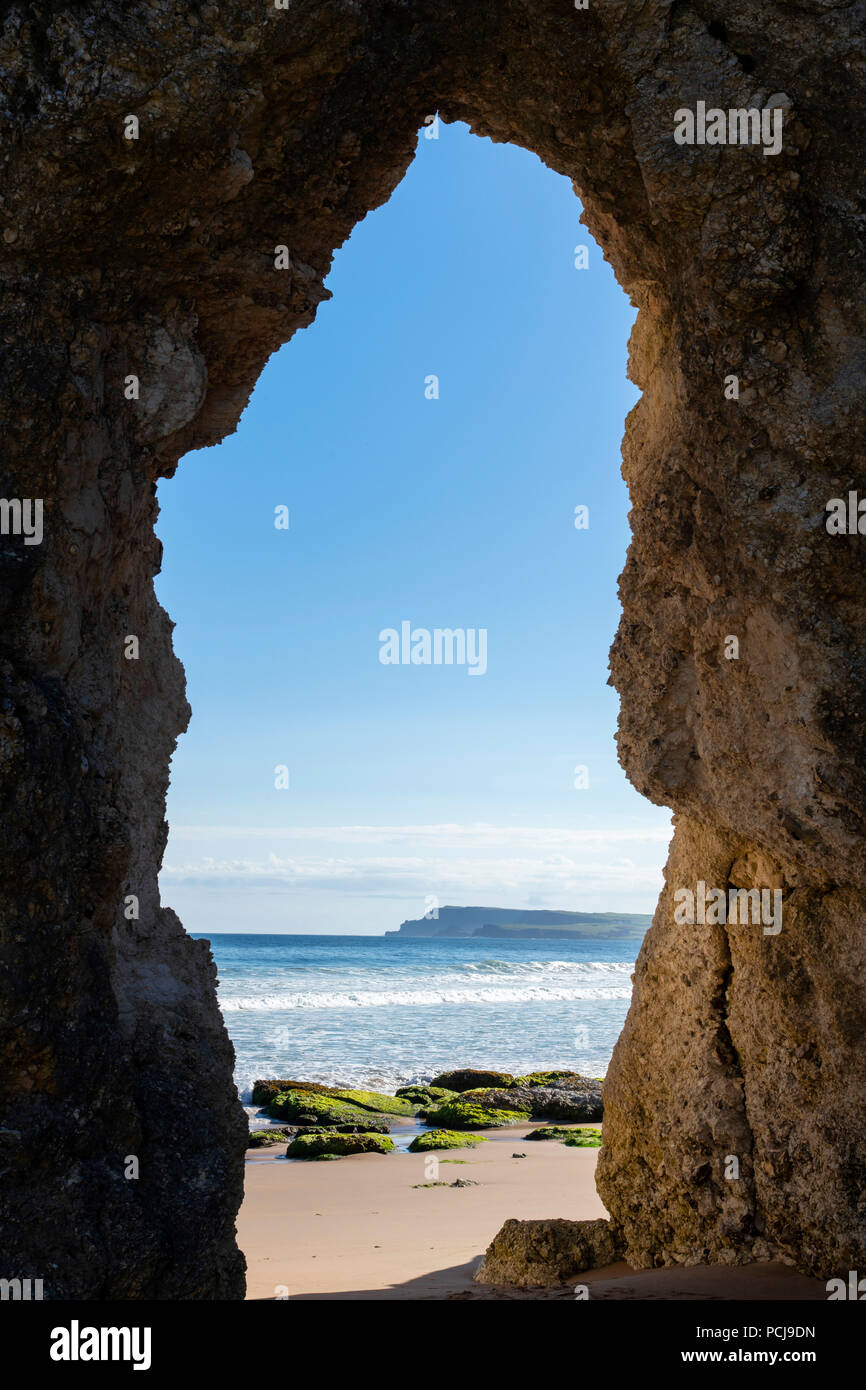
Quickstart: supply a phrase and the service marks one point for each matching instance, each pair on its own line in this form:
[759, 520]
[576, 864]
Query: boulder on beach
[265, 1091]
[572, 1138]
[260, 1137]
[575, 1102]
[444, 1139]
[462, 1114]
[335, 1145]
[466, 1079]
[425, 1095]
[578, 1100]
[311, 1108]
[543, 1254]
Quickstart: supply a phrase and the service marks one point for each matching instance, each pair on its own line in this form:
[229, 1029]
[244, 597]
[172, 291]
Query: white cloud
[308, 870]
[479, 835]
[595, 867]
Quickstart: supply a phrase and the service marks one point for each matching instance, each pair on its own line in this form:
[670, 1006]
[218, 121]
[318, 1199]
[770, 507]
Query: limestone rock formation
[542, 1254]
[154, 159]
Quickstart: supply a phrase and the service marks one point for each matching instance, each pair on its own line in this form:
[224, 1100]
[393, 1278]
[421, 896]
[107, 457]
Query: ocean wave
[548, 967]
[414, 998]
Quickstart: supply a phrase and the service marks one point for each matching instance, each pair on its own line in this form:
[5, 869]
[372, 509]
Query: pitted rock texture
[543, 1254]
[155, 258]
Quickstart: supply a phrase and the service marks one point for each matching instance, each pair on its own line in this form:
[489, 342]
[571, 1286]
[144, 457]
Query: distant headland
[519, 922]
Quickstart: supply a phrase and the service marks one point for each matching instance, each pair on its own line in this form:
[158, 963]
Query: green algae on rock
[377, 1102]
[458, 1114]
[305, 1107]
[548, 1078]
[260, 1137]
[265, 1091]
[574, 1138]
[444, 1139]
[333, 1145]
[584, 1139]
[364, 1123]
[426, 1095]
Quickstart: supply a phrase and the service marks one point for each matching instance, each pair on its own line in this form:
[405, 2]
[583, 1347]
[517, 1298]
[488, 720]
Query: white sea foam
[414, 998]
[549, 967]
[477, 982]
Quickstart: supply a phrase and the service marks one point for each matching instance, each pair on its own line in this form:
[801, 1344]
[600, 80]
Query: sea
[380, 1012]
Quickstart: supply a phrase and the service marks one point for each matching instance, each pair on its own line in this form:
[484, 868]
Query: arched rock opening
[154, 258]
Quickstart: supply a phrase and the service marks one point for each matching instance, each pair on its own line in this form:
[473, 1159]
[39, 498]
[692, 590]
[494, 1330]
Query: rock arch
[154, 258]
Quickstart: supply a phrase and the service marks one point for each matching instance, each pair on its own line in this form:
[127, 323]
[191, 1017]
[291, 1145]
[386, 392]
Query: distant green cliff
[518, 922]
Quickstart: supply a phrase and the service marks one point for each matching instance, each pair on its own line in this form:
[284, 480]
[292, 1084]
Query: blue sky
[458, 512]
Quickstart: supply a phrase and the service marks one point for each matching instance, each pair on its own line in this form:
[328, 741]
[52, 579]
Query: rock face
[142, 296]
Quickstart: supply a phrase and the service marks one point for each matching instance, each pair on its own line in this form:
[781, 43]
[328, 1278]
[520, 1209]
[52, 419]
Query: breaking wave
[419, 998]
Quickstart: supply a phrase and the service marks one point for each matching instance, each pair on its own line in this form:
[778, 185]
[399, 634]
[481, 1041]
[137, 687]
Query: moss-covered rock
[444, 1139]
[548, 1078]
[497, 1098]
[438, 1097]
[260, 1137]
[575, 1138]
[338, 1145]
[460, 1114]
[377, 1102]
[265, 1091]
[584, 1139]
[466, 1079]
[312, 1108]
[365, 1124]
[426, 1095]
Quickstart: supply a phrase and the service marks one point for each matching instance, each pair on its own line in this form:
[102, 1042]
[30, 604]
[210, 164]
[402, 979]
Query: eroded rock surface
[154, 258]
[542, 1254]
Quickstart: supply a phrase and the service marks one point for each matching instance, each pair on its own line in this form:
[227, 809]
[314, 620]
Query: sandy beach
[365, 1227]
